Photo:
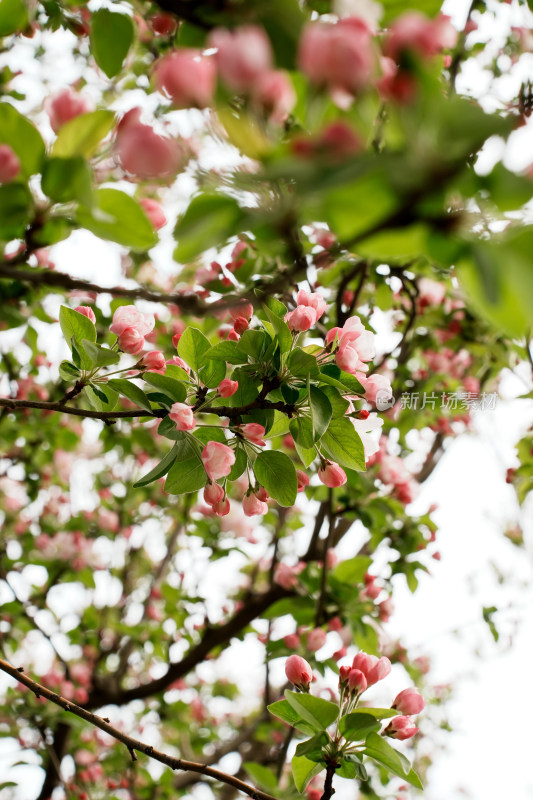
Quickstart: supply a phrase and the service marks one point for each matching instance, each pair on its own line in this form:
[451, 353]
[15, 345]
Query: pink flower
[176, 361]
[9, 164]
[347, 359]
[131, 341]
[183, 416]
[218, 460]
[243, 309]
[414, 31]
[254, 433]
[373, 668]
[242, 55]
[87, 312]
[312, 300]
[253, 506]
[130, 317]
[400, 728]
[430, 293]
[154, 361]
[274, 94]
[64, 106]
[213, 494]
[292, 641]
[377, 390]
[222, 508]
[332, 475]
[186, 77]
[303, 480]
[316, 639]
[241, 324]
[301, 319]
[340, 56]
[409, 702]
[287, 576]
[154, 212]
[227, 387]
[357, 681]
[298, 672]
[143, 152]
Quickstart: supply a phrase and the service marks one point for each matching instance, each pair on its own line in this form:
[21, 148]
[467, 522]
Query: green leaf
[228, 352]
[68, 372]
[275, 471]
[13, 16]
[321, 411]
[100, 356]
[174, 389]
[313, 748]
[301, 608]
[344, 445]
[209, 221]
[283, 710]
[66, 179]
[302, 432]
[16, 210]
[380, 750]
[187, 474]
[82, 135]
[356, 727]
[303, 771]
[110, 39]
[23, 137]
[376, 713]
[352, 570]
[280, 326]
[306, 454]
[77, 326]
[247, 390]
[254, 343]
[319, 713]
[131, 391]
[212, 373]
[101, 397]
[119, 218]
[393, 8]
[262, 776]
[240, 464]
[167, 427]
[160, 470]
[193, 347]
[302, 364]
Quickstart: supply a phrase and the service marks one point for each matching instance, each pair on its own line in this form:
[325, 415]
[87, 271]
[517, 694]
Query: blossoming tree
[218, 466]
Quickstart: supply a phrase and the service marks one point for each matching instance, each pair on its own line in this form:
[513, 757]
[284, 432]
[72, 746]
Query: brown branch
[328, 783]
[55, 751]
[133, 745]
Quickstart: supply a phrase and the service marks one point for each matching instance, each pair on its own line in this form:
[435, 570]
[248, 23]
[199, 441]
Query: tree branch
[133, 745]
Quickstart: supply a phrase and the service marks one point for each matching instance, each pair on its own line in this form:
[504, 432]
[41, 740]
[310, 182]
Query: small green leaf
[313, 748]
[174, 389]
[68, 372]
[100, 356]
[283, 710]
[110, 39]
[306, 454]
[301, 430]
[380, 750]
[280, 326]
[82, 135]
[254, 343]
[344, 445]
[66, 179]
[352, 570]
[317, 712]
[212, 373]
[209, 221]
[261, 775]
[356, 727]
[321, 411]
[16, 210]
[187, 473]
[159, 471]
[193, 347]
[376, 713]
[76, 326]
[239, 465]
[228, 352]
[119, 218]
[13, 16]
[23, 137]
[275, 471]
[101, 397]
[302, 364]
[303, 771]
[131, 391]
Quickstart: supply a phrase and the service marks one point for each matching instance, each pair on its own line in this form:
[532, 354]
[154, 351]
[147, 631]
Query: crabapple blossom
[301, 319]
[316, 639]
[9, 164]
[130, 317]
[87, 312]
[365, 427]
[217, 459]
[242, 56]
[186, 77]
[378, 389]
[241, 324]
[298, 672]
[154, 212]
[331, 475]
[221, 508]
[64, 106]
[143, 152]
[357, 681]
[303, 480]
[254, 433]
[416, 32]
[274, 94]
[409, 702]
[227, 387]
[183, 416]
[312, 300]
[400, 728]
[213, 493]
[154, 361]
[131, 341]
[253, 506]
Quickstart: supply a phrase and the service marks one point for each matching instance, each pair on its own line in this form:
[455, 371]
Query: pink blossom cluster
[131, 326]
[310, 307]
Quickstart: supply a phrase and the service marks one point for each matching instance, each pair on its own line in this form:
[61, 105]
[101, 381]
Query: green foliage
[111, 38]
[119, 218]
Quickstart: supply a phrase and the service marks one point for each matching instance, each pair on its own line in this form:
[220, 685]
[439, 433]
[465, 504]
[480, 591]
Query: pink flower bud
[254, 433]
[131, 341]
[292, 641]
[227, 387]
[176, 361]
[378, 671]
[154, 212]
[274, 94]
[253, 506]
[303, 480]
[163, 24]
[87, 312]
[332, 475]
[129, 317]
[183, 416]
[9, 164]
[223, 508]
[245, 310]
[262, 494]
[298, 672]
[312, 300]
[213, 494]
[316, 639]
[64, 106]
[301, 319]
[357, 681]
[218, 460]
[241, 324]
[187, 77]
[400, 728]
[233, 336]
[242, 55]
[154, 361]
[142, 152]
[409, 702]
[344, 674]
